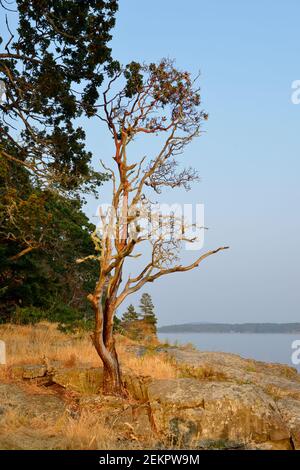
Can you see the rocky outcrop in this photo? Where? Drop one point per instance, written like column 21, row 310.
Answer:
column 82, row 379
column 23, row 409
column 191, row 412
column 79, row 379
column 290, row 411
column 28, row 371
column 275, row 379
column 279, row 383
column 43, row 406
column 218, row 401
column 122, row 416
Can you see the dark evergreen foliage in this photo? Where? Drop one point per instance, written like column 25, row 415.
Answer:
column 47, row 277
column 52, row 65
column 54, row 56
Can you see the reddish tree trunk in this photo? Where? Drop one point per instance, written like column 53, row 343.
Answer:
column 112, row 383
column 105, row 346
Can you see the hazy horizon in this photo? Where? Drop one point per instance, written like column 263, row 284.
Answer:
column 230, row 323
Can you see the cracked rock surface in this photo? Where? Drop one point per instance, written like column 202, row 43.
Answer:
column 219, row 400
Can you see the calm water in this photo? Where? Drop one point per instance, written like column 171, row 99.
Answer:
column 262, row 347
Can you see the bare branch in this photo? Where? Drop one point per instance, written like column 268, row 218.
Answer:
column 146, row 277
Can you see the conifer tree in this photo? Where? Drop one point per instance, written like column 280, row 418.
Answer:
column 130, row 315
column 147, row 309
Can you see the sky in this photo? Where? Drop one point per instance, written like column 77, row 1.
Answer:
column 248, row 156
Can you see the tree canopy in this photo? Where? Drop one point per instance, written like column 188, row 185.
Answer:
column 52, row 64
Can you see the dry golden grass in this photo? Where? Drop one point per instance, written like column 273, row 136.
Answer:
column 85, row 428
column 3, row 373
column 12, row 421
column 31, row 344
column 86, row 432
column 156, row 366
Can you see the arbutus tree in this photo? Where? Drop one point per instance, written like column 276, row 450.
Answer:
column 157, row 101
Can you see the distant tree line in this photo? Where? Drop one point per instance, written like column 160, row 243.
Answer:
column 232, row 328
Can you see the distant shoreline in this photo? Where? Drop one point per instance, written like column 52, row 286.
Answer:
column 254, row 328
column 231, row 332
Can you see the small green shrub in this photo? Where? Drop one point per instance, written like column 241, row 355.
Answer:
column 28, row 315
